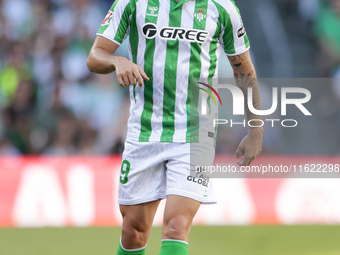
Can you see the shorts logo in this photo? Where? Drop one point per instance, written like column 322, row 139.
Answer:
column 205, row 193
column 150, row 31
column 204, row 181
column 241, row 32
column 199, row 178
column 107, row 18
column 152, row 10
column 200, row 15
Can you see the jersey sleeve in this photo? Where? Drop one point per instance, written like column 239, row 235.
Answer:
column 116, row 24
column 233, row 35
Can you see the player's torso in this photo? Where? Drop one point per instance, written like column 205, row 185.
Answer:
column 173, row 42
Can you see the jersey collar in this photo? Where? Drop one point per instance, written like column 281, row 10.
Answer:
column 181, row 2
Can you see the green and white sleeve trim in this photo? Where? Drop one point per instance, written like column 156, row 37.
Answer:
column 117, row 27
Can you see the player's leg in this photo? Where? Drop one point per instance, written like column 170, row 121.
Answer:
column 178, row 215
column 142, row 185
column 137, row 223
column 186, row 190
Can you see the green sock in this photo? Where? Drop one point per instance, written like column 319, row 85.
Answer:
column 123, row 251
column 174, row 247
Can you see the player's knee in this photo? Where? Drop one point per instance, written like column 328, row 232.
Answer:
column 133, row 235
column 177, row 228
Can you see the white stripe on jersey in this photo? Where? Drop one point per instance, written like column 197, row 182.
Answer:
column 158, row 72
column 183, row 65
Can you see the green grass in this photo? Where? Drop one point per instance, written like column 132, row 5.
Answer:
column 253, row 240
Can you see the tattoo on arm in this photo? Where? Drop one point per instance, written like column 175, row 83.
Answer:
column 245, row 81
column 245, row 77
column 232, row 59
column 237, row 60
column 243, row 56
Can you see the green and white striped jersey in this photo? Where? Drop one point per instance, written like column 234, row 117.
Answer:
column 174, row 43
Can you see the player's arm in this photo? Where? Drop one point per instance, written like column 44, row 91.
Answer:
column 102, row 60
column 245, row 77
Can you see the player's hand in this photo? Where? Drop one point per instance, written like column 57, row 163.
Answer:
column 129, row 73
column 251, row 146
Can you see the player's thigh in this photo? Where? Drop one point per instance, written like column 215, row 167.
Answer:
column 179, row 213
column 137, row 223
column 183, row 178
column 140, row 214
column 142, row 177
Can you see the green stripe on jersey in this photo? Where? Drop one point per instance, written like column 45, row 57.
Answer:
column 212, row 51
column 194, row 75
column 170, row 76
column 146, row 127
column 228, row 37
column 213, row 46
column 134, row 43
column 123, row 25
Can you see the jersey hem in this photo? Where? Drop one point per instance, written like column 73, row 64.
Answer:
column 162, row 140
column 107, row 37
column 178, row 140
column 239, row 51
column 141, row 200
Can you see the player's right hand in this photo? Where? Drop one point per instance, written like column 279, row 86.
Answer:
column 128, row 73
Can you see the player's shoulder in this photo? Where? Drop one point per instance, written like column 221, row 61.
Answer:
column 121, row 3
column 228, row 5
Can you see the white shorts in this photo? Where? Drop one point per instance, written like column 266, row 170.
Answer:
column 154, row 170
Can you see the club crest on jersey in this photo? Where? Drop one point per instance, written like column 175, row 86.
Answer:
column 152, row 11
column 199, row 15
column 107, row 18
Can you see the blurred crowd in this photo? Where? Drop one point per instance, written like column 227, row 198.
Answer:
column 50, row 103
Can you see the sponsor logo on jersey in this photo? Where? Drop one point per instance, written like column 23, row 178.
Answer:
column 241, row 32
column 152, row 10
column 199, row 15
column 107, row 18
column 150, row 31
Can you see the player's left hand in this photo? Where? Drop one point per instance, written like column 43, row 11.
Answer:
column 251, row 146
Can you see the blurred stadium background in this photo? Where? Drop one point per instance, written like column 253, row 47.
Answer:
column 62, row 130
